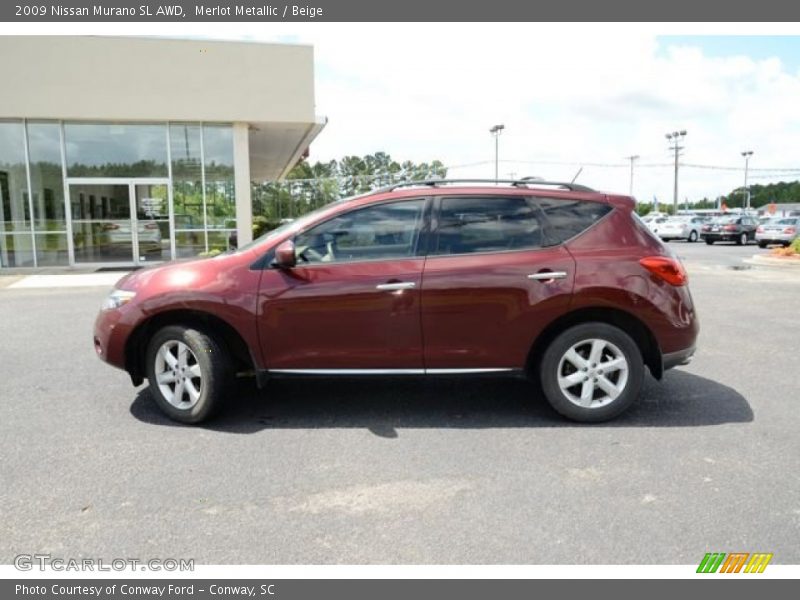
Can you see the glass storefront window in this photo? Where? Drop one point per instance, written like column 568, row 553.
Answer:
column 47, row 180
column 39, row 226
column 115, row 150
column 220, row 196
column 16, row 250
column 14, row 207
column 187, row 176
column 51, row 250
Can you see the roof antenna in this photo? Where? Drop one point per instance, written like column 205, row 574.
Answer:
column 576, row 175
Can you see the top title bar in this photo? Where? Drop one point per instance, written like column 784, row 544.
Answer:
column 403, row 10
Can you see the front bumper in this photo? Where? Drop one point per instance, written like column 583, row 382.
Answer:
column 676, row 359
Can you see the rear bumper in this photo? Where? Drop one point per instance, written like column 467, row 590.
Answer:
column 721, row 237
column 681, row 357
column 774, row 239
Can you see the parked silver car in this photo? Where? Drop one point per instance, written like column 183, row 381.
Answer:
column 778, row 231
column 680, row 228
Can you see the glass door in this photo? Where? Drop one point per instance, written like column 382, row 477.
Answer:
column 102, row 224
column 120, row 221
column 152, row 222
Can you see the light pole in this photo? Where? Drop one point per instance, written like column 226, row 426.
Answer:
column 632, row 158
column 675, row 138
column 747, row 154
column 495, row 131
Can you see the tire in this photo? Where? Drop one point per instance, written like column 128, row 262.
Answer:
column 206, row 372
column 762, row 244
column 692, row 237
column 742, row 240
column 709, row 242
column 581, row 339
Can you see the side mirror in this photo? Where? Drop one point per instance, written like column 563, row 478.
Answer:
column 285, row 257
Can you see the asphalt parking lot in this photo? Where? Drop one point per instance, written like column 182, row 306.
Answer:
column 409, row 471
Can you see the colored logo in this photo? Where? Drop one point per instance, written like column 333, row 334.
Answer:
column 735, row 562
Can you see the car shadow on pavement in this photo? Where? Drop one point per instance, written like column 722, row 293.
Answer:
column 384, row 406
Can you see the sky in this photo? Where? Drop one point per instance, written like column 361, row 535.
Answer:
column 423, row 92
column 569, row 95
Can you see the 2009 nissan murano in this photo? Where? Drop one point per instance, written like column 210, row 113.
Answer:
column 551, row 281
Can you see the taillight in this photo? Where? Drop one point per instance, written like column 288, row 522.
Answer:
column 760, row 229
column 790, row 230
column 706, row 227
column 151, row 225
column 669, row 269
column 730, row 228
column 110, row 226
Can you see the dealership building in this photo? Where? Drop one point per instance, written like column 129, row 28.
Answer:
column 129, row 151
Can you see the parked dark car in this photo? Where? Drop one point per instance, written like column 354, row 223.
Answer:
column 730, row 228
column 555, row 282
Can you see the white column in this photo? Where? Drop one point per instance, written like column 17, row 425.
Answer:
column 241, row 166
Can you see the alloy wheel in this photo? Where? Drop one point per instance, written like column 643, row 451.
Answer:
column 178, row 374
column 592, row 373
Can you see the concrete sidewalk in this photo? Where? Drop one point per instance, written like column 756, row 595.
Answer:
column 64, row 279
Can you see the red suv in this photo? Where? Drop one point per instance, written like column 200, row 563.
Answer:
column 548, row 280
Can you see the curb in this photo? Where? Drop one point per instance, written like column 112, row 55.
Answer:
column 760, row 259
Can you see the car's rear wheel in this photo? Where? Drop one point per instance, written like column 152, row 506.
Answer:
column 742, row 241
column 693, row 236
column 187, row 370
column 709, row 242
column 592, row 372
column 762, row 244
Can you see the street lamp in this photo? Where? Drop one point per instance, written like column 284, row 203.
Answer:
column 632, row 159
column 495, row 131
column 747, row 154
column 675, row 138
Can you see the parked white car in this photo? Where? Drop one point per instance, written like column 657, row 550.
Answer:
column 680, row 228
column 653, row 223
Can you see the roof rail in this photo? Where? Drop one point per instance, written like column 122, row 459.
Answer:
column 525, row 182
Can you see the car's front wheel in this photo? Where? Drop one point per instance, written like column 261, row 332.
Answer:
column 592, row 372
column 693, row 236
column 742, row 241
column 187, row 370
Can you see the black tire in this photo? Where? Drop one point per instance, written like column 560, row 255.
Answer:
column 551, row 360
column 692, row 236
column 709, row 242
column 214, row 367
column 762, row 244
column 742, row 240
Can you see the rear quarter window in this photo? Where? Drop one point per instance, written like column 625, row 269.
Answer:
column 564, row 219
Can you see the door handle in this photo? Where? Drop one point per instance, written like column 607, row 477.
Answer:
column 547, row 275
column 399, row 285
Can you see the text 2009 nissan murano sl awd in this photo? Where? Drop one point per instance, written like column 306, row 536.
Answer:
column 555, row 282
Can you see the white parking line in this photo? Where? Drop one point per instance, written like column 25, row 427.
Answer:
column 69, row 280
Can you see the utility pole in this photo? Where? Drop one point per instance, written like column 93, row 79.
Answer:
column 495, row 131
column 632, row 158
column 675, row 138
column 746, row 202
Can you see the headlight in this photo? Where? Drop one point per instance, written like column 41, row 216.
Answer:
column 117, row 298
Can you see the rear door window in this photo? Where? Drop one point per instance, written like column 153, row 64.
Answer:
column 470, row 225
column 564, row 219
